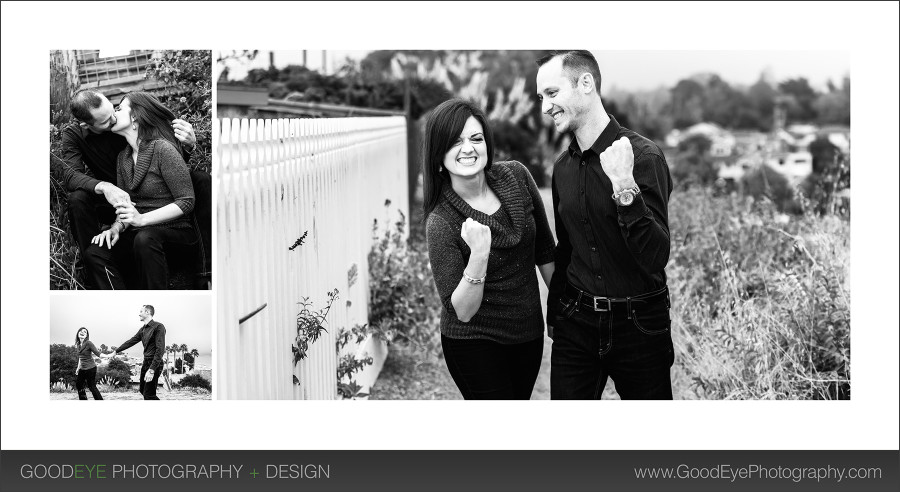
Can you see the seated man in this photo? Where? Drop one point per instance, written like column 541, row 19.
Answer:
column 88, row 144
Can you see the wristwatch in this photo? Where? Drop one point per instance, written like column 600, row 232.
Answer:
column 625, row 197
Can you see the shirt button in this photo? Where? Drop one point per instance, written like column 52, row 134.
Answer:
column 582, row 163
column 594, row 249
column 584, row 221
column 582, row 191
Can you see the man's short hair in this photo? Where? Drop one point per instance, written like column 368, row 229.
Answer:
column 83, row 102
column 575, row 63
column 150, row 309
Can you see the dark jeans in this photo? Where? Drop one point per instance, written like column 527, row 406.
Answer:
column 87, row 377
column 589, row 347
column 487, row 370
column 88, row 211
column 139, row 253
column 148, row 389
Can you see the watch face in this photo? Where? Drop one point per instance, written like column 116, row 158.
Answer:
column 626, row 198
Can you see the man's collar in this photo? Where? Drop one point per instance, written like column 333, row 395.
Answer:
column 606, row 138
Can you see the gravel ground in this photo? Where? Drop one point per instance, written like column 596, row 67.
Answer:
column 177, row 394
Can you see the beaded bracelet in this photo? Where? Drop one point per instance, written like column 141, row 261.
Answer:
column 471, row 280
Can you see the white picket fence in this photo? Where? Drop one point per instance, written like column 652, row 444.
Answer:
column 278, row 179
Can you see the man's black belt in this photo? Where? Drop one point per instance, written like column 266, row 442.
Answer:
column 586, row 300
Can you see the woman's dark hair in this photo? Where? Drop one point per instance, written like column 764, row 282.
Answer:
column 153, row 118
column 86, row 338
column 442, row 128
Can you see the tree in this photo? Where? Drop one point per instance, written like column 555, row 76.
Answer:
column 833, row 108
column 63, row 361
column 800, row 97
column 721, row 102
column 761, row 98
column 693, row 164
column 686, row 104
column 171, row 348
column 183, row 349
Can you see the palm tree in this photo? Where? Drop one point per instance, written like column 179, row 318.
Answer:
column 196, row 354
column 183, row 348
column 171, row 348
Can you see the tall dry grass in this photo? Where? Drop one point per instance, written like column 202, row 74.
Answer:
column 65, row 269
column 760, row 300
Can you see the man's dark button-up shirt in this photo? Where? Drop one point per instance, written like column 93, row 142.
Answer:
column 153, row 337
column 602, row 248
column 98, row 152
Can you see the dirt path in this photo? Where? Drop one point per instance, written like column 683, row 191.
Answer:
column 178, row 394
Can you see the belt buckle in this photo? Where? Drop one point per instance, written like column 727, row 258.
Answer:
column 608, row 304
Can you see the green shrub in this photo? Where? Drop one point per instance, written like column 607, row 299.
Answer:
column 60, row 387
column 114, row 374
column 765, row 182
column 188, row 75
column 404, row 305
column 63, row 361
column 119, row 365
column 195, row 381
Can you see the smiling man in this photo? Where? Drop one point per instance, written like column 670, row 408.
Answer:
column 608, row 308
column 87, row 168
column 152, row 335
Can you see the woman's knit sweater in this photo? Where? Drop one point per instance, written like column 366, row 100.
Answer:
column 86, row 351
column 158, row 178
column 510, row 310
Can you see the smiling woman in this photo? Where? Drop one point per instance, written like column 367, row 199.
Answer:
column 486, row 229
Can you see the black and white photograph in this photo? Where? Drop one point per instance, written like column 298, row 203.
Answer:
column 130, row 346
column 567, row 225
column 130, row 162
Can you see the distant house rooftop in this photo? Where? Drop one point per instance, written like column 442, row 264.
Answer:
column 241, row 95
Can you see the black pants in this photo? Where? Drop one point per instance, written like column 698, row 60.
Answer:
column 487, row 370
column 88, row 211
column 87, row 377
column 148, row 388
column 589, row 347
column 139, row 254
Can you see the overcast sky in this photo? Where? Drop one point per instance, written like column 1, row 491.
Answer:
column 641, row 70
column 112, row 317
